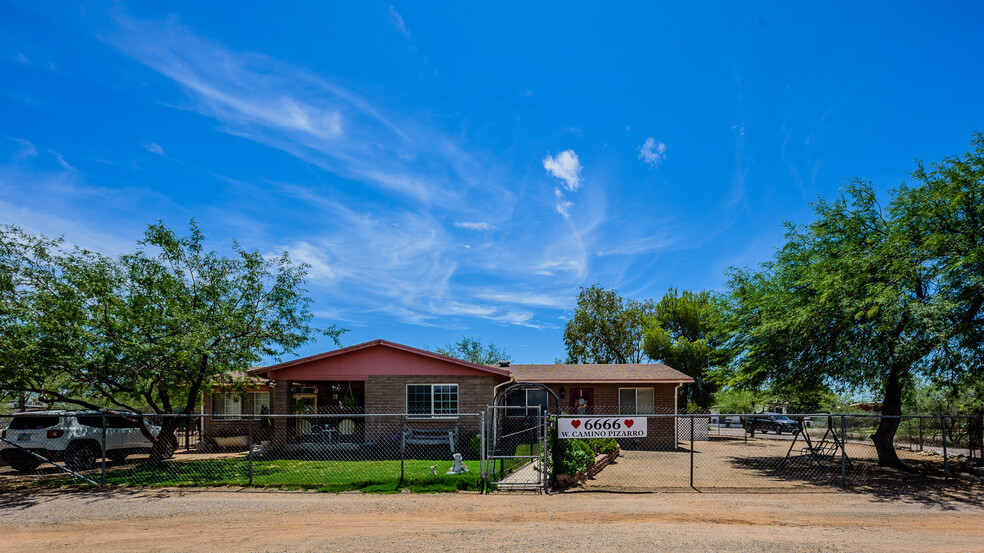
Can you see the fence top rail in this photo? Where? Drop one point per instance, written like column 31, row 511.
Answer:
column 244, row 416
column 790, row 415
column 419, row 417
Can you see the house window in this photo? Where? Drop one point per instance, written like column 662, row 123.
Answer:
column 636, row 401
column 234, row 406
column 432, row 400
column 526, row 403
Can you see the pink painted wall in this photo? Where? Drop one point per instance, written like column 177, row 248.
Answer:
column 377, row 361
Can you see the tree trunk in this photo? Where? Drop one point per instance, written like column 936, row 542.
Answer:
column 884, row 436
column 166, row 442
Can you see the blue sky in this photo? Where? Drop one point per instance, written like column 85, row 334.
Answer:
column 454, row 169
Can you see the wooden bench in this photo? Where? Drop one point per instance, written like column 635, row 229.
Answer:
column 436, row 436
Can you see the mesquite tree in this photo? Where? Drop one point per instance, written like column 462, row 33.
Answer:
column 145, row 332
column 871, row 296
column 687, row 332
column 605, row 328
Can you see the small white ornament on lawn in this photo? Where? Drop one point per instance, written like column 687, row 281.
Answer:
column 457, row 467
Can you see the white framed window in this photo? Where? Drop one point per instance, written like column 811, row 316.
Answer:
column 234, row 406
column 636, row 401
column 526, row 402
column 432, row 400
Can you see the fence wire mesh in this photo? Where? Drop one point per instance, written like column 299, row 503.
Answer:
column 811, row 451
column 334, row 452
column 386, row 452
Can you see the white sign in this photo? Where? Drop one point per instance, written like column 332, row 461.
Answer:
column 601, row 427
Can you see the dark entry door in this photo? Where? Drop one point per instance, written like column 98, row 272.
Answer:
column 582, row 401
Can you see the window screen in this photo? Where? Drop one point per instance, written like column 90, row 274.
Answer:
column 636, row 401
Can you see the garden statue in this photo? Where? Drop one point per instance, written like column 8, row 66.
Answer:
column 458, row 467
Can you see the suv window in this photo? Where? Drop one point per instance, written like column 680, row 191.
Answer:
column 122, row 422
column 90, row 420
column 33, row 422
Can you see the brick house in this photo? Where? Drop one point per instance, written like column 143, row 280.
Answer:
column 614, row 389
column 381, row 377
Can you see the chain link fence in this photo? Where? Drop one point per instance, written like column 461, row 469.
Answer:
column 808, row 451
column 337, row 452
column 389, row 452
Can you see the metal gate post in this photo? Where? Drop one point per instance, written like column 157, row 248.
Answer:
column 481, row 450
column 920, row 433
column 545, row 429
column 980, row 428
column 946, row 465
column 403, row 445
column 843, row 452
column 102, row 479
column 692, row 450
column 250, row 444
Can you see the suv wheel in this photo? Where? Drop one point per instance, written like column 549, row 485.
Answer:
column 80, row 457
column 24, row 462
column 117, row 456
column 777, row 429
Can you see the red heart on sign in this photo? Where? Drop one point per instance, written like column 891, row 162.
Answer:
column 575, row 423
column 629, row 423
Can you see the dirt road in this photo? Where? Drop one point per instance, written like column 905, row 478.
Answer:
column 207, row 520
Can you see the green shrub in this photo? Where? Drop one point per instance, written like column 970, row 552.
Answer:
column 570, row 456
column 473, row 447
column 583, row 446
column 602, row 446
column 575, row 457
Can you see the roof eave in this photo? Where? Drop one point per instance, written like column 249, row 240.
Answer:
column 606, row 381
column 256, row 371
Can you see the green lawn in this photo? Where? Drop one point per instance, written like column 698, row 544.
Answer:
column 521, row 450
column 329, row 476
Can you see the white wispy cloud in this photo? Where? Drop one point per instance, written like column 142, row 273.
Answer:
column 559, row 265
column 564, row 207
column 60, row 159
column 639, row 246
column 47, row 201
column 561, row 301
column 154, row 148
column 397, row 20
column 25, row 151
column 473, row 226
column 565, row 167
column 21, row 58
column 287, row 107
column 396, row 255
column 652, row 152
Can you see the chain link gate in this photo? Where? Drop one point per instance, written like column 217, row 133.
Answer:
column 517, row 449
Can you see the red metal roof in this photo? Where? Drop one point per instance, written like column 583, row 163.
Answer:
column 315, row 359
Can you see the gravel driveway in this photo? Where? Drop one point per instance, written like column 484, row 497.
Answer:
column 206, row 520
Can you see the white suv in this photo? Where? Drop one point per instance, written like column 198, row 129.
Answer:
column 71, row 436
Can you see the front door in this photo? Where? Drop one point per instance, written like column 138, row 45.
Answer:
column 582, row 401
column 305, row 404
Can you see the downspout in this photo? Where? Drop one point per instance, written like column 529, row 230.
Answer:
column 495, row 390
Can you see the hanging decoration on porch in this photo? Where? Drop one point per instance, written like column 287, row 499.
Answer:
column 348, row 400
